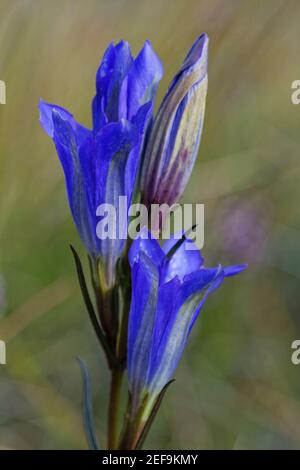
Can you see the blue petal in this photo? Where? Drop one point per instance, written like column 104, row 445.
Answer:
column 166, row 356
column 214, row 284
column 173, row 337
column 165, row 316
column 207, row 280
column 140, row 85
column 185, row 260
column 46, row 120
column 196, row 282
column 116, row 167
column 142, row 118
column 233, row 270
column 150, row 247
column 110, row 75
column 145, row 278
column 77, row 175
column 115, row 143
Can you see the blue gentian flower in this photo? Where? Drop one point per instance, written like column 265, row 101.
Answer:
column 103, row 163
column 169, row 290
column 175, row 136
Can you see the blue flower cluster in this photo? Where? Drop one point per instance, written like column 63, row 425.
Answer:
column 131, row 151
column 103, row 163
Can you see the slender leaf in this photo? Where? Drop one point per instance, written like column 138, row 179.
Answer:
column 90, row 307
column 87, row 406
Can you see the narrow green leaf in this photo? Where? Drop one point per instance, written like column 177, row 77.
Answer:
column 87, row 406
column 90, row 307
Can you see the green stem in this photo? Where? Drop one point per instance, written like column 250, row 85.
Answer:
column 113, row 407
column 131, row 436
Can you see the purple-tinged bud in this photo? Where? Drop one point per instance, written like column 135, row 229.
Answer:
column 175, row 136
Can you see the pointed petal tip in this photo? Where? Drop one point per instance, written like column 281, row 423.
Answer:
column 197, row 57
column 147, row 46
column 147, row 49
column 45, row 117
column 199, row 50
column 148, row 54
column 49, row 113
column 204, row 37
column 123, row 45
column 233, row 270
column 201, row 41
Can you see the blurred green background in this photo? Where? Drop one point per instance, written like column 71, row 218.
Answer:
column 236, row 387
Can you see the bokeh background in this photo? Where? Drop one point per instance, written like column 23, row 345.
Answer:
column 236, row 387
